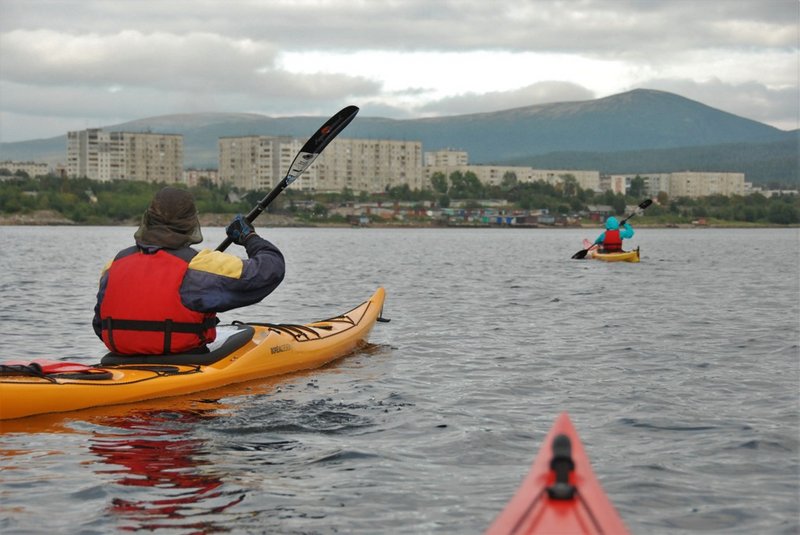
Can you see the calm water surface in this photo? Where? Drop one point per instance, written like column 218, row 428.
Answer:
column 681, row 375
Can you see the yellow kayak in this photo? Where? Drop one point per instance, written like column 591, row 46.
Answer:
column 624, row 256
column 249, row 351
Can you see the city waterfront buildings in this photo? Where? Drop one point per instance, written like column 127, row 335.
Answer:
column 257, row 163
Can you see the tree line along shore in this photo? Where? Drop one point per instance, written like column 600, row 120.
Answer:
column 50, row 200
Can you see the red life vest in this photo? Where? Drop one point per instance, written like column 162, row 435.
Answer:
column 141, row 312
column 612, row 243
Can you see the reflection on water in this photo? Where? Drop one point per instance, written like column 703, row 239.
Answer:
column 155, row 453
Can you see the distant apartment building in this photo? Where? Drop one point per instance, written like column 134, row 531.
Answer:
column 653, row 183
column 692, row 184
column 32, row 169
column 447, row 161
column 371, row 165
column 614, row 183
column 656, row 182
column 493, row 175
column 703, row 184
column 195, row 177
column 259, row 162
column 104, row 156
column 446, row 158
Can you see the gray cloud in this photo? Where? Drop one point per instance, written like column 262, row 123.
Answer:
column 442, row 25
column 130, row 58
column 538, row 93
column 199, row 62
column 114, row 60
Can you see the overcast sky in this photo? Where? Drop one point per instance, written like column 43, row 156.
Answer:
column 75, row 64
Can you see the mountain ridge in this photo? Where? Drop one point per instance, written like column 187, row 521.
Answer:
column 637, row 120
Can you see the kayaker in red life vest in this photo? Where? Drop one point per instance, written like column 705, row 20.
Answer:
column 161, row 296
column 610, row 241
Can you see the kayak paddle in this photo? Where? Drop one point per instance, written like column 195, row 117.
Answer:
column 308, row 153
column 583, row 252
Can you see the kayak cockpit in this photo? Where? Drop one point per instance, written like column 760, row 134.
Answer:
column 227, row 342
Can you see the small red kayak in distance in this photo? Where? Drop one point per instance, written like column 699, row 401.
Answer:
column 560, row 494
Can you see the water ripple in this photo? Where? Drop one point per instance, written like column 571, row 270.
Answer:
column 681, row 374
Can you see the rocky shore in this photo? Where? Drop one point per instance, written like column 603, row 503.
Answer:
column 40, row 217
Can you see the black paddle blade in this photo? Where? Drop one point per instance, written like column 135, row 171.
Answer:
column 330, row 130
column 317, row 143
column 580, row 254
column 645, row 203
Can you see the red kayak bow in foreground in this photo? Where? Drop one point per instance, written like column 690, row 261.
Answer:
column 560, row 494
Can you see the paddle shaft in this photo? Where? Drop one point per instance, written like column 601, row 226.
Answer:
column 622, row 223
column 308, row 153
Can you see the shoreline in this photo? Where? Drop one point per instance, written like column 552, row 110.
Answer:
column 53, row 219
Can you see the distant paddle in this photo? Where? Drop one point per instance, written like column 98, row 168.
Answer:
column 308, row 153
column 583, row 252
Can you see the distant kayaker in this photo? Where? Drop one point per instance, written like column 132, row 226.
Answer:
column 161, row 296
column 610, row 241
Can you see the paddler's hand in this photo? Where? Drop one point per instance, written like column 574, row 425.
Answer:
column 239, row 230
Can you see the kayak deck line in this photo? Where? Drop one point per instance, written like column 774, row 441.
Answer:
column 154, row 371
column 303, row 331
column 560, row 494
column 307, row 331
column 253, row 351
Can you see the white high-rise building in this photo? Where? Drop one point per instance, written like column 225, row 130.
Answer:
column 493, row 174
column 259, row 162
column 104, row 156
column 33, row 169
column 692, row 184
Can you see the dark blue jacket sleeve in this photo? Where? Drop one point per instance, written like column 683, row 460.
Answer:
column 218, row 281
